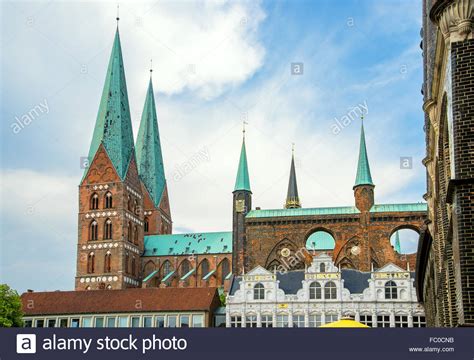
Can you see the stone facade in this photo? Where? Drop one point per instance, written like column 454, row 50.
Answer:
column 323, row 293
column 445, row 260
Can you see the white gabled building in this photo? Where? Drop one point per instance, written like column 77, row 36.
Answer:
column 321, row 294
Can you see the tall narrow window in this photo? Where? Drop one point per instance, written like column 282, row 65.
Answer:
column 330, row 291
column 93, row 230
column 390, row 290
column 134, row 268
column 225, row 270
column 129, row 203
column 146, row 225
column 135, row 235
column 259, row 292
column 107, row 262
column 322, row 267
column 204, row 268
column 136, row 210
column 129, row 231
column 315, row 291
column 108, row 229
column 108, row 201
column 94, row 202
column 91, row 263
column 167, row 268
column 127, row 260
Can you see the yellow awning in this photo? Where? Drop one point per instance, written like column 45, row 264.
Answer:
column 345, row 323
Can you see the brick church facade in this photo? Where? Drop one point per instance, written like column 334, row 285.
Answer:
column 125, row 237
column 445, row 255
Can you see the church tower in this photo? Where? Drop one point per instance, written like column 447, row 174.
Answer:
column 364, row 186
column 110, row 238
column 242, row 204
column 292, row 198
column 157, row 215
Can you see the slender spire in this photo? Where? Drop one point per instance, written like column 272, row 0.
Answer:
column 113, row 127
column 242, row 182
column 398, row 248
column 149, row 155
column 292, row 198
column 363, row 169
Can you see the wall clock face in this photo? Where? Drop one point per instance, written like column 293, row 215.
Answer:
column 240, row 205
column 285, row 252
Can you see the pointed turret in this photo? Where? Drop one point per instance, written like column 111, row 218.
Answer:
column 149, row 155
column 242, row 182
column 292, row 198
column 242, row 204
column 113, row 127
column 364, row 186
column 363, row 169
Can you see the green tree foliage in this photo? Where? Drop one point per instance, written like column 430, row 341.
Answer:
column 10, row 307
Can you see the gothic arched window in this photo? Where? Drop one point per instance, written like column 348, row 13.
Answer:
column 129, row 231
column 91, row 263
column 93, row 230
column 225, row 270
column 146, row 225
column 330, row 291
column 166, row 269
column 135, row 235
column 134, row 266
column 204, row 268
column 315, row 290
column 259, row 292
column 107, row 263
column 94, row 202
column 129, row 203
column 108, row 201
column 390, row 290
column 108, row 229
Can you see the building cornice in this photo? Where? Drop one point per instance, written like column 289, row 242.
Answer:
column 455, row 19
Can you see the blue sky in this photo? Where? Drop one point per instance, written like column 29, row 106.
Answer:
column 215, row 64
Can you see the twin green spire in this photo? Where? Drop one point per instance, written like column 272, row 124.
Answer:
column 363, row 169
column 242, row 182
column 113, row 126
column 113, row 129
column 149, row 155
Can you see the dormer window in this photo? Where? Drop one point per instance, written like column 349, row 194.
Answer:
column 322, row 267
column 259, row 292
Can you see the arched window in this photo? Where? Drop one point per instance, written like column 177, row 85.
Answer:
column 167, row 268
column 320, row 240
column 129, row 203
column 322, row 267
column 204, row 268
column 127, row 260
column 91, row 263
column 184, row 269
column 108, row 201
column 146, row 225
column 134, row 267
column 129, row 231
column 93, row 230
column 315, row 290
column 108, row 229
column 225, row 270
column 330, row 291
column 107, row 263
column 135, row 207
column 94, row 202
column 259, row 292
column 390, row 290
column 135, row 235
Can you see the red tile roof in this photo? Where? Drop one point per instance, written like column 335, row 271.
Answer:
column 128, row 300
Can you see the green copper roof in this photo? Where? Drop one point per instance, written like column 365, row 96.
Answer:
column 149, row 157
column 153, row 273
column 292, row 198
column 342, row 210
column 363, row 169
column 242, row 182
column 398, row 248
column 113, row 127
column 320, row 240
column 188, row 244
